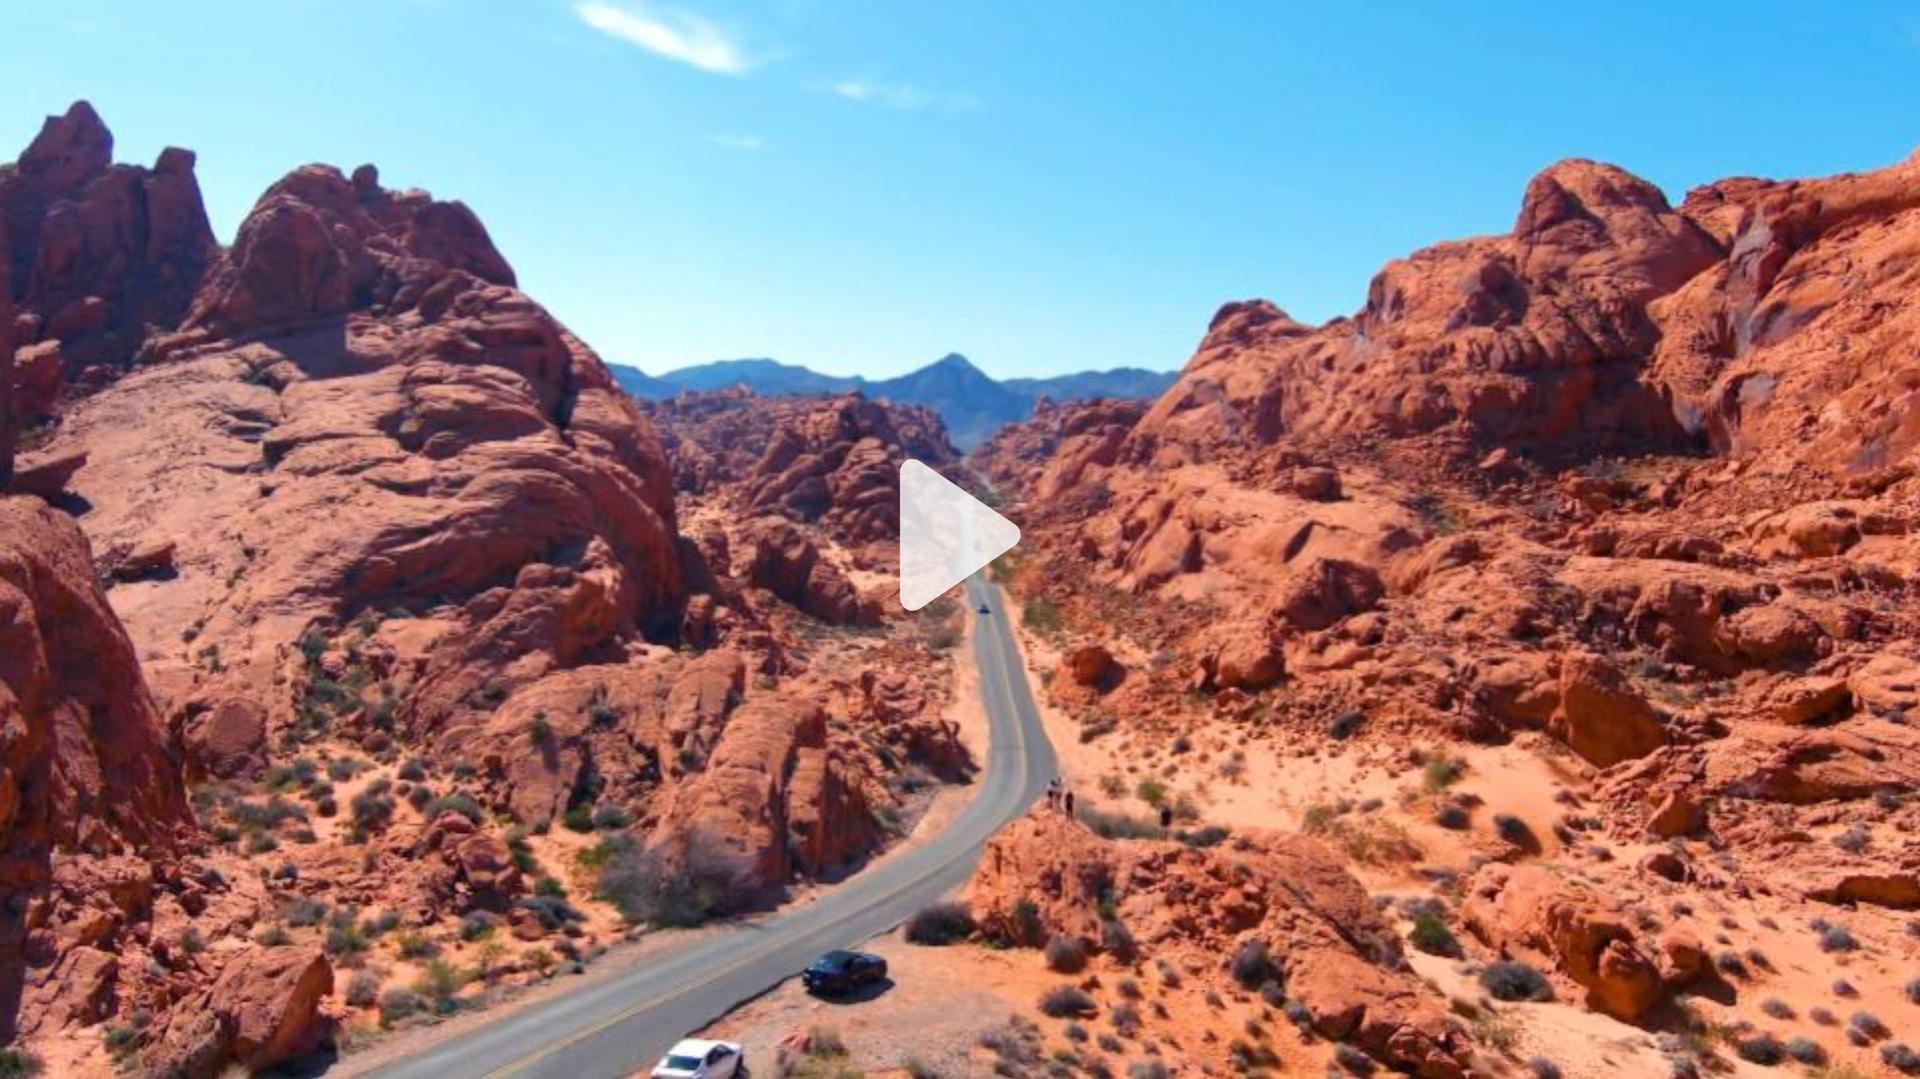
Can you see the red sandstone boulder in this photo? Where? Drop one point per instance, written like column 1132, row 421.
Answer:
column 1600, row 717
column 262, row 1010
column 1527, row 911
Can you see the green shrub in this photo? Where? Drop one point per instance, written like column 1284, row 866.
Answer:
column 1431, row 935
column 578, row 818
column 1441, row 772
column 1151, row 791
column 457, row 802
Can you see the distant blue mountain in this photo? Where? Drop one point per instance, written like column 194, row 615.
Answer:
column 972, row 403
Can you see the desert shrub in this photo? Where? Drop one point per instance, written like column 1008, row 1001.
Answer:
column 1452, row 816
column 1147, row 1069
column 919, row 1069
column 364, row 990
column 552, row 911
column 341, row 769
column 939, row 923
column 345, row 940
column 456, row 802
column 1151, row 791
column 1041, row 614
column 578, row 818
column 439, row 981
column 399, row 1004
column 1512, row 981
column 649, row 886
column 1251, row 965
column 416, row 945
column 272, row 936
column 1836, row 938
column 18, row 1063
column 1345, row 725
column 302, row 912
column 414, row 770
column 477, row 925
column 1542, row 1068
column 1116, row 939
column 1431, row 935
column 1210, row 836
column 610, row 818
column 1353, row 1060
column 1066, row 1002
column 1897, row 1056
column 550, row 886
column 1066, row 955
column 1844, row 988
column 371, row 810
column 1805, row 1050
column 1730, row 964
column 1776, row 1008
column 1513, row 830
column 1114, row 825
column 1076, row 1033
column 1764, row 1049
column 1441, row 772
column 1869, row 1024
column 1027, row 926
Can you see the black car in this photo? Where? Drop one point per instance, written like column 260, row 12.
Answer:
column 984, row 609
column 843, row 972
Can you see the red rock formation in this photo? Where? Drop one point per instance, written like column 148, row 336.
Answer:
column 772, row 799
column 1534, row 339
column 1525, row 911
column 262, row 1010
column 370, row 417
column 1333, row 953
column 830, row 461
column 98, row 251
column 86, row 779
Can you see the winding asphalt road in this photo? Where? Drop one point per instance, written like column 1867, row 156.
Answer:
column 623, row 1024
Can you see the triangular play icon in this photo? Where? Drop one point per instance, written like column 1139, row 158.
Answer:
column 945, row 535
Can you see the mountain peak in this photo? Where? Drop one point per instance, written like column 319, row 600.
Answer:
column 953, row 361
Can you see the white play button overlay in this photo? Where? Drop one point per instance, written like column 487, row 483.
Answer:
column 945, row 535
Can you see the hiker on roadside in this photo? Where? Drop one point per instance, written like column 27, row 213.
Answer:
column 1069, row 802
column 1053, row 792
column 1166, row 819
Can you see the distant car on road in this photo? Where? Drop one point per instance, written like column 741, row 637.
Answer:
column 696, row 1058
column 843, row 972
column 984, row 609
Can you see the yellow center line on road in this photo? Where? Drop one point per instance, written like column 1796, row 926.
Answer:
column 1019, row 733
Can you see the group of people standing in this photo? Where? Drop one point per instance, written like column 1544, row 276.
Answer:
column 1059, row 795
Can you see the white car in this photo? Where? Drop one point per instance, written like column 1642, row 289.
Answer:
column 696, row 1058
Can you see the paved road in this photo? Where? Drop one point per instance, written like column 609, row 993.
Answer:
column 622, row 1024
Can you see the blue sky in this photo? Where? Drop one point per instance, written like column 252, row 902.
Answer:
column 1044, row 186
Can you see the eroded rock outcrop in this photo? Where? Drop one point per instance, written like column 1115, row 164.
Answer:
column 1331, row 952
column 87, row 781
column 97, row 252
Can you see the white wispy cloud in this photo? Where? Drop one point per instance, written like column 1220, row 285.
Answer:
column 737, row 142
column 667, row 31
column 901, row 96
